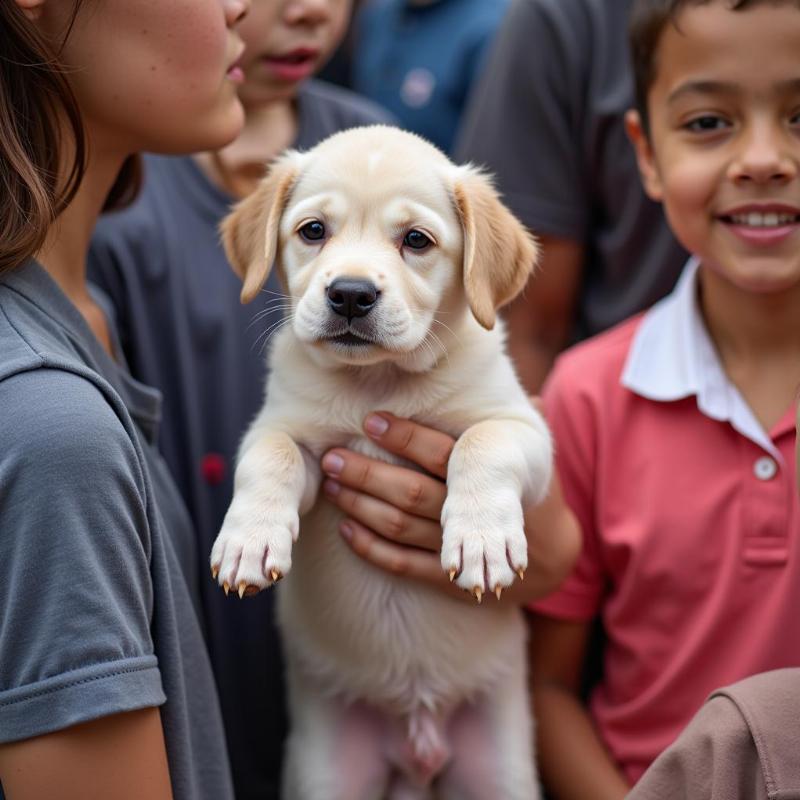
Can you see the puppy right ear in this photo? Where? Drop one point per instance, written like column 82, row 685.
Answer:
column 250, row 231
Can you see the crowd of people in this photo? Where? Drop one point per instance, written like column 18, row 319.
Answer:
column 652, row 146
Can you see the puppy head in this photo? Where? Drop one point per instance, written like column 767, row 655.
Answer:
column 379, row 239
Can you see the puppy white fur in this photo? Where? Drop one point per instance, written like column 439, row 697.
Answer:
column 396, row 689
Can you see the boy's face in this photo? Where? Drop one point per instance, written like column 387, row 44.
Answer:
column 287, row 42
column 724, row 149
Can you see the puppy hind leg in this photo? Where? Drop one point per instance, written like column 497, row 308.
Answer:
column 402, row 789
column 492, row 743
column 334, row 752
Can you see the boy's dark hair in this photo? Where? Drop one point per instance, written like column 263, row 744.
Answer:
column 647, row 22
column 40, row 129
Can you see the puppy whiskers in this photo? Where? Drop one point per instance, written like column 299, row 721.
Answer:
column 267, row 312
column 439, row 342
column 448, row 328
column 270, row 331
column 277, row 294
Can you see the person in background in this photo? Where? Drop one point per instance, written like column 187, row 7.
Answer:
column 675, row 431
column 546, row 118
column 106, row 687
column 185, row 331
column 420, row 59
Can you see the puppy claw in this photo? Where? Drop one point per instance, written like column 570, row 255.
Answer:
column 478, row 592
column 214, row 572
column 275, row 575
column 498, row 590
column 452, row 575
column 242, row 588
column 226, row 588
column 521, row 573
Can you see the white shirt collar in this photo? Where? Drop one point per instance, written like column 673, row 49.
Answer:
column 672, row 357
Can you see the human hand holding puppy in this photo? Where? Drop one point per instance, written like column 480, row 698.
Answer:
column 393, row 513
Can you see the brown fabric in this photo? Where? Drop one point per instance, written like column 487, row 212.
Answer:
column 743, row 744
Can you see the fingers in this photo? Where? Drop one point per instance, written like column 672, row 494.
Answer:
column 424, row 446
column 384, row 518
column 400, row 560
column 409, row 491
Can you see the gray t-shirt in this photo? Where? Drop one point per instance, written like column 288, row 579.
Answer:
column 184, row 330
column 97, row 609
column 547, row 120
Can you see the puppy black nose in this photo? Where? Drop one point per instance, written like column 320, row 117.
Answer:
column 352, row 297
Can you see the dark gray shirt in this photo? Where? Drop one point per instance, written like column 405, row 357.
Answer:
column 96, row 608
column 185, row 331
column 547, row 120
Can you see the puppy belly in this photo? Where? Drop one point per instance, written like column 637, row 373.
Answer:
column 360, row 634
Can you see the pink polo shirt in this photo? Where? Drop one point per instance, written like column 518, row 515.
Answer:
column 691, row 523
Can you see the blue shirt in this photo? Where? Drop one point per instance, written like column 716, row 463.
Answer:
column 420, row 62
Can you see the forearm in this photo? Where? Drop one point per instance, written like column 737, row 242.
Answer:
column 552, row 552
column 513, row 455
column 275, row 482
column 566, row 737
column 272, row 466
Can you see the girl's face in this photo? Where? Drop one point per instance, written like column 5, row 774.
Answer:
column 288, row 41
column 152, row 74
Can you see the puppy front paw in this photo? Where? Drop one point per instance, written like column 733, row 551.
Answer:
column 483, row 541
column 254, row 548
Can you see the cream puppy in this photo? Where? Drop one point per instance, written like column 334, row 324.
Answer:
column 395, row 261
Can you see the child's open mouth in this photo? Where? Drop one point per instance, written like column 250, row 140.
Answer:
column 296, row 65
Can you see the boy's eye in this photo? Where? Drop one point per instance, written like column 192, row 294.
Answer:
column 705, row 124
column 416, row 240
column 313, row 231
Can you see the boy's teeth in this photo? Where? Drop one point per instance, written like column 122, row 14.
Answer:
column 755, row 219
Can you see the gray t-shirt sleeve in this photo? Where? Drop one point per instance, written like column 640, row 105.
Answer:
column 76, row 594
column 523, row 120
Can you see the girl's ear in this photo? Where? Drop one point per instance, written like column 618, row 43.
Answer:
column 648, row 169
column 32, row 9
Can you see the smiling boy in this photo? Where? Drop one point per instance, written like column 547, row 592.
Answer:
column 675, row 431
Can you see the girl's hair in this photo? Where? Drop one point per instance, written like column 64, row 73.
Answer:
column 42, row 142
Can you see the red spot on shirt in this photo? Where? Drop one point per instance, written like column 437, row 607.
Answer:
column 212, row 467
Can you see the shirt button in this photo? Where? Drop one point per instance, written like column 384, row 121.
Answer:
column 765, row 468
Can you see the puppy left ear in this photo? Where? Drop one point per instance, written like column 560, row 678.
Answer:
column 499, row 253
column 250, row 231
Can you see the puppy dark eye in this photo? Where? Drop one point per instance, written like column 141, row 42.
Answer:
column 416, row 240
column 313, row 231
